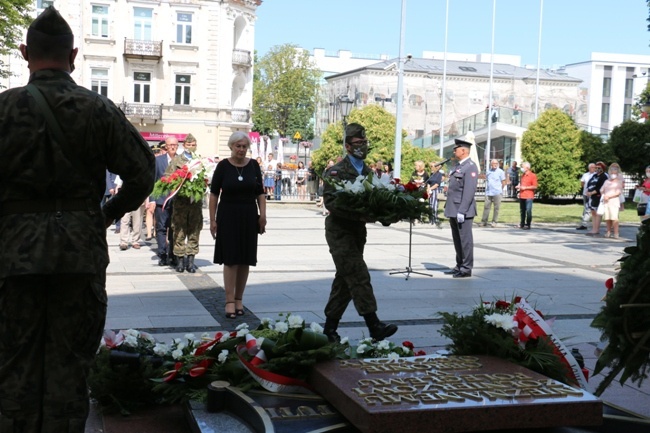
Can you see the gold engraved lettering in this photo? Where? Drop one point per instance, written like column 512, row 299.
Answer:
column 273, row 414
column 361, row 393
column 472, row 395
column 432, row 398
column 285, row 412
column 306, row 412
column 495, row 395
column 325, row 410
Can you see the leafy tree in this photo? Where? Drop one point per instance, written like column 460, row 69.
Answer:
column 285, row 92
column 552, row 146
column 380, row 130
column 15, row 18
column 630, row 143
column 594, row 149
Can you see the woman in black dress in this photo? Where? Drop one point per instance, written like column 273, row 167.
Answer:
column 237, row 216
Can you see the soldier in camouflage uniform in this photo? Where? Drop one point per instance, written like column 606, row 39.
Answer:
column 345, row 233
column 53, row 232
column 187, row 218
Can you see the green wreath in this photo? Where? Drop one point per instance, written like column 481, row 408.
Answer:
column 625, row 318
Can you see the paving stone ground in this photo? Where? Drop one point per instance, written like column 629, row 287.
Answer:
column 558, row 269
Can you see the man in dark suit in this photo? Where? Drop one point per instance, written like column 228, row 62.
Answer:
column 460, row 208
column 163, row 215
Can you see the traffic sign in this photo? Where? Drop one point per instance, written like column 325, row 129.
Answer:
column 297, row 135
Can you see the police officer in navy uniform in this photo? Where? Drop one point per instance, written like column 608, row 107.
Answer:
column 346, row 234
column 461, row 209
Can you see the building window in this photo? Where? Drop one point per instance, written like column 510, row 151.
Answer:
column 142, row 18
column 99, row 26
column 604, row 113
column 142, row 87
column 184, row 28
column 629, row 87
column 627, row 112
column 182, row 89
column 42, row 4
column 607, row 86
column 99, row 81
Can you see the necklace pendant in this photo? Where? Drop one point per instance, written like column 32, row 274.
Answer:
column 240, row 178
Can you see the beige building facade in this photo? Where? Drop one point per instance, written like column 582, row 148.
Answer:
column 173, row 66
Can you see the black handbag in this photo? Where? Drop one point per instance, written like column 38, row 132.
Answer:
column 641, row 209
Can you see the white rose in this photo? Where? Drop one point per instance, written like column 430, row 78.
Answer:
column 131, row 341
column 160, row 349
column 295, row 322
column 222, row 356
column 316, row 328
column 176, row 354
column 281, row 327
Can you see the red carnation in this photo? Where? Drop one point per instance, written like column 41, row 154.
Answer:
column 420, row 353
column 502, row 305
column 408, row 345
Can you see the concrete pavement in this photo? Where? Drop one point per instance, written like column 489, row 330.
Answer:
column 558, row 269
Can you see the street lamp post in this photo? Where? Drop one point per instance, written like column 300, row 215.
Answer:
column 345, row 105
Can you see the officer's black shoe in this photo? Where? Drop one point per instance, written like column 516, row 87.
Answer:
column 163, row 260
column 180, row 266
column 452, row 271
column 189, row 267
column 332, row 335
column 381, row 331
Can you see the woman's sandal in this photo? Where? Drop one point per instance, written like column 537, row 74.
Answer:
column 231, row 315
column 239, row 311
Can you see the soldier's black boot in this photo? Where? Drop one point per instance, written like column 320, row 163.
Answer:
column 379, row 330
column 330, row 330
column 189, row 266
column 180, row 265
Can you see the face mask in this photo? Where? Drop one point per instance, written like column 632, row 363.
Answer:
column 360, row 151
column 613, row 176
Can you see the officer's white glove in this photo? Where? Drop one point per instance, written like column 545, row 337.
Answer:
column 460, row 218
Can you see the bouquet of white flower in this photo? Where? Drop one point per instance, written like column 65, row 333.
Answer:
column 380, row 199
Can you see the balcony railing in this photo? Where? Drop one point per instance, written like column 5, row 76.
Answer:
column 242, row 58
column 241, row 116
column 142, row 111
column 138, row 49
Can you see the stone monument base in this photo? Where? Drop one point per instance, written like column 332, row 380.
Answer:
column 450, row 394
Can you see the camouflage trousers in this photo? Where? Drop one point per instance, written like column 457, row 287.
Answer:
column 346, row 240
column 50, row 329
column 187, row 222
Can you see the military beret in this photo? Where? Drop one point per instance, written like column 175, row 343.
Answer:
column 162, row 144
column 462, row 143
column 190, row 138
column 354, row 130
column 155, row 147
column 50, row 23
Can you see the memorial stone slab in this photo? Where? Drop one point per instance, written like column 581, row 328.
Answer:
column 450, row 394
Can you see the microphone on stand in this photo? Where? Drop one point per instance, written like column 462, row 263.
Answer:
column 442, row 162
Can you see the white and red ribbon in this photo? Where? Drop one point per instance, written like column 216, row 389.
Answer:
column 533, row 326
column 271, row 381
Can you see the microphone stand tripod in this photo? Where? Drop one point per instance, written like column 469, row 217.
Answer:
column 409, row 270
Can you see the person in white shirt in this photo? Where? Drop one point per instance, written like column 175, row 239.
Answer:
column 586, row 210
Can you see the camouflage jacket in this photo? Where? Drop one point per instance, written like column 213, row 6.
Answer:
column 37, row 170
column 344, row 170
